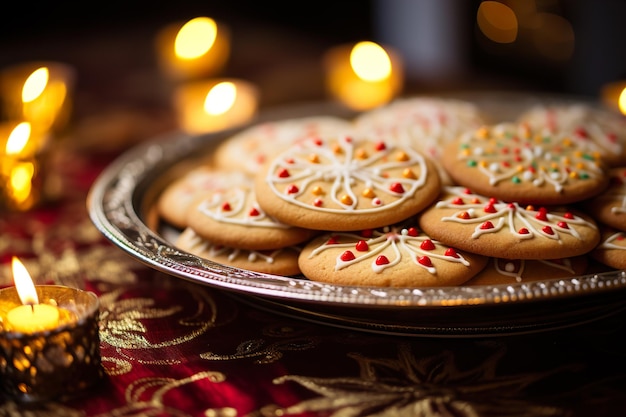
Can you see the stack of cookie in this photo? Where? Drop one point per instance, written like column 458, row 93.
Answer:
column 420, row 193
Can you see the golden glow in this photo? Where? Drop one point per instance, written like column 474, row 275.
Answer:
column 35, row 84
column 220, row 98
column 553, row 36
column 370, row 62
column 18, row 139
column 497, row 22
column 23, row 283
column 622, row 101
column 195, row 38
column 21, row 181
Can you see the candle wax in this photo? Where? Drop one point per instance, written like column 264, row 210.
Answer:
column 30, row 319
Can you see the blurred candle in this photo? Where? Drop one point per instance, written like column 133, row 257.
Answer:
column 196, row 49
column 364, row 75
column 210, row 106
column 614, row 96
column 39, row 93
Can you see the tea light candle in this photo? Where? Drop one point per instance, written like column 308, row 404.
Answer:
column 39, row 93
column 364, row 75
column 214, row 105
column 49, row 339
column 195, row 49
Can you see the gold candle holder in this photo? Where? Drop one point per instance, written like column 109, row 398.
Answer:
column 58, row 360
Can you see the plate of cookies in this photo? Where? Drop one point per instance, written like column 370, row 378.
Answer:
column 474, row 214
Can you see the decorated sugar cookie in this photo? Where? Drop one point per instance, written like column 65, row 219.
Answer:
column 249, row 149
column 515, row 163
column 175, row 199
column 426, row 123
column 610, row 206
column 514, row 271
column 283, row 261
column 346, row 184
column 232, row 217
column 395, row 256
column 592, row 129
column 612, row 249
column 510, row 230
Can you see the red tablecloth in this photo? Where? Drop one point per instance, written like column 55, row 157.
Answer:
column 174, row 348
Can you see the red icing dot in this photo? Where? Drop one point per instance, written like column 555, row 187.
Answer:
column 523, row 231
column 318, row 141
column 542, row 214
column 226, row 207
column 467, row 191
column 253, row 212
column 547, row 230
column 380, row 146
column 347, row 256
column 563, row 225
column 332, row 240
column 367, row 233
column 582, row 132
column 413, row 232
column 452, row 253
column 612, row 137
column 568, row 215
column 486, row 225
column 292, row 189
column 382, row 260
column 318, row 202
column 511, row 206
column 464, row 215
column 458, row 201
column 396, row 187
column 506, row 164
column 425, row 260
column 283, row 173
column 427, row 245
column 489, row 208
column 362, row 246
column 289, row 160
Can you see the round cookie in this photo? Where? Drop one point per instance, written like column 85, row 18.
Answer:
column 396, row 256
column 346, row 184
column 176, row 197
column 232, row 217
column 283, row 261
column 514, row 163
column 612, row 249
column 249, row 149
column 509, row 230
column 515, row 271
column 610, row 206
column 426, row 123
column 592, row 129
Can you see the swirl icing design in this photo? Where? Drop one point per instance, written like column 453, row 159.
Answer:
column 237, row 206
column 369, row 245
column 341, row 176
column 514, row 153
column 515, row 268
column 490, row 215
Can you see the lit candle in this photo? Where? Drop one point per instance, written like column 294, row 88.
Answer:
column 39, row 93
column 364, row 75
column 31, row 316
column 614, row 96
column 211, row 106
column 196, row 49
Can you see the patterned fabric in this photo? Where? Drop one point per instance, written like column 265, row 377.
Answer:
column 174, row 348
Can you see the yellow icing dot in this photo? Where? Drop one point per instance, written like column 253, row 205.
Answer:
column 538, row 139
column 573, row 174
column 314, row 158
column 482, row 132
column 317, row 190
column 402, row 156
column 554, row 165
column 368, row 193
column 580, row 165
column 345, row 199
column 483, row 163
column 567, row 142
column 361, row 154
column 408, row 173
column 337, row 149
column 466, row 152
column 578, row 154
column 519, row 168
column 566, row 161
column 530, row 208
column 596, row 155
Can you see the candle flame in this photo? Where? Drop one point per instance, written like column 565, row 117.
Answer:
column 220, row 98
column 21, row 181
column 622, row 101
column 35, row 84
column 370, row 62
column 24, row 283
column 18, row 139
column 195, row 38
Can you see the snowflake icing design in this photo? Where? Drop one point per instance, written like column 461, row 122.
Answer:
column 514, row 153
column 369, row 245
column 346, row 167
column 491, row 215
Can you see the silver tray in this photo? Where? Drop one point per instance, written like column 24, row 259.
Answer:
column 120, row 203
